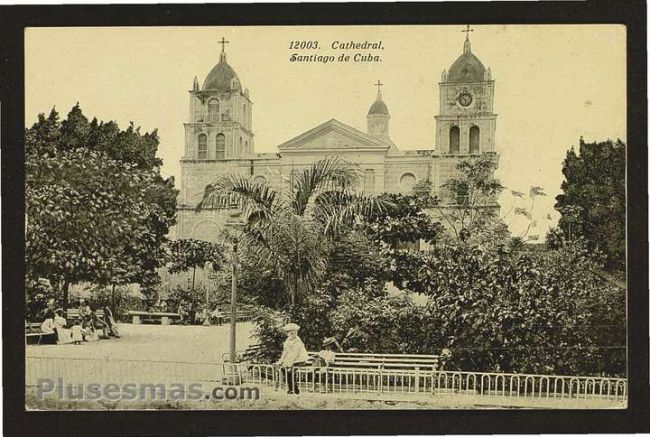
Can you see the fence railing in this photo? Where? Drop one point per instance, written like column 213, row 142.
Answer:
column 119, row 371
column 336, row 380
column 349, row 380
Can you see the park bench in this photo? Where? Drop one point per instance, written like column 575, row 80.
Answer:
column 72, row 314
column 365, row 360
column 382, row 361
column 138, row 317
column 33, row 334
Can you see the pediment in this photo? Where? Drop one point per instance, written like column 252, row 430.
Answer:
column 333, row 136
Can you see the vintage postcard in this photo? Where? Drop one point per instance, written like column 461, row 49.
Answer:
column 325, row 217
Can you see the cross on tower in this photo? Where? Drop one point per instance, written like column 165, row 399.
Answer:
column 467, row 31
column 378, row 85
column 223, row 43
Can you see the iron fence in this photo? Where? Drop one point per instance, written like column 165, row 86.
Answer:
column 335, row 380
column 350, row 380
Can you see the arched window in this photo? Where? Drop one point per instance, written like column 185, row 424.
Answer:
column 221, row 146
column 454, row 140
column 246, row 147
column 474, row 139
column 203, row 146
column 407, row 183
column 369, row 182
column 259, row 179
column 206, row 231
column 213, row 106
column 241, row 144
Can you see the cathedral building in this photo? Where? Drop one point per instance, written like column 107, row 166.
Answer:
column 220, row 140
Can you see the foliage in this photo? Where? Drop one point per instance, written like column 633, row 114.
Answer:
column 269, row 334
column 97, row 208
column 188, row 254
column 120, row 300
column 383, row 323
column 555, row 238
column 404, row 220
column 470, row 197
column 258, row 282
column 536, row 314
column 86, row 217
column 36, row 297
column 593, row 200
column 322, row 203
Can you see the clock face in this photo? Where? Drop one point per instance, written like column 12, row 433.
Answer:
column 465, row 99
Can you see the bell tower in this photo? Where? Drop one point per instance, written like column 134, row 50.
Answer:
column 221, row 115
column 466, row 122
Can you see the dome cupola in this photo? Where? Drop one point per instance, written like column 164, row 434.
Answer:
column 222, row 78
column 467, row 68
column 378, row 117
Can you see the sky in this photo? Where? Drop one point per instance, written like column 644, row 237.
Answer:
column 553, row 84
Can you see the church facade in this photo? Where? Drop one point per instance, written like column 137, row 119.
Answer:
column 220, row 140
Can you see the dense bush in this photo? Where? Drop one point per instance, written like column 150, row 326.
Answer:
column 540, row 313
column 550, row 312
column 379, row 322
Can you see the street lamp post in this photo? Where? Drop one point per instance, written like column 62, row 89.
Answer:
column 206, row 270
column 233, row 304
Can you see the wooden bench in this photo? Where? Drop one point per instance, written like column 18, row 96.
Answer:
column 73, row 314
column 137, row 317
column 364, row 360
column 33, row 334
column 382, row 361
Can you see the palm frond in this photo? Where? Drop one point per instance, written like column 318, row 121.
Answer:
column 339, row 208
column 325, row 174
column 253, row 198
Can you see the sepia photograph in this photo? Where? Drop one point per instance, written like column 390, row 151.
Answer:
column 326, row 217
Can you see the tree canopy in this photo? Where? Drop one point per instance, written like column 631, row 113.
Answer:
column 593, row 201
column 97, row 208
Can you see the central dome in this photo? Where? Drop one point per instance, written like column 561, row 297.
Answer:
column 220, row 77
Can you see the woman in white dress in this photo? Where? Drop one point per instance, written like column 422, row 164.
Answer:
column 63, row 334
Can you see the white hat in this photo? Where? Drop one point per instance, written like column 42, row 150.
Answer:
column 290, row 327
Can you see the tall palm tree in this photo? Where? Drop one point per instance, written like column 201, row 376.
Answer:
column 292, row 231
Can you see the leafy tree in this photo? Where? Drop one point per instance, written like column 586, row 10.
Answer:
column 189, row 254
column 593, row 200
column 84, row 216
column 322, row 202
column 542, row 313
column 383, row 323
column 404, row 220
column 470, row 197
column 89, row 184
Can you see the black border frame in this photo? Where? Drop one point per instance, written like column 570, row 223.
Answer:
column 13, row 20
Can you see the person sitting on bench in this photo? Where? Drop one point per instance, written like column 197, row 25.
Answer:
column 48, row 328
column 325, row 358
column 64, row 335
column 98, row 323
column 294, row 355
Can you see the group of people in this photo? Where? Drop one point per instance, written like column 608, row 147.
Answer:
column 86, row 327
column 294, row 354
